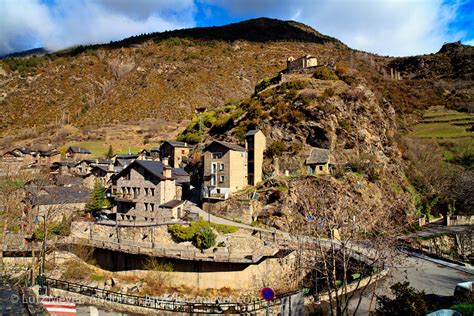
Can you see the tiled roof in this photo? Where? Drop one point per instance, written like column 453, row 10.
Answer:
column 318, row 156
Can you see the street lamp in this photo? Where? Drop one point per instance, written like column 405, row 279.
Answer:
column 37, row 222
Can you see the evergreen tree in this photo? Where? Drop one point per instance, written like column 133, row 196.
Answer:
column 98, row 199
column 110, row 152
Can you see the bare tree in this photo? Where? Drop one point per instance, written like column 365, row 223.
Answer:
column 347, row 245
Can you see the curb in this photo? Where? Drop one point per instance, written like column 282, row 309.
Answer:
column 438, row 261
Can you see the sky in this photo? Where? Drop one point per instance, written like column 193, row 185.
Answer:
column 385, row 27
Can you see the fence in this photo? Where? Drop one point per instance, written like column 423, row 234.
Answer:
column 163, row 304
column 152, row 249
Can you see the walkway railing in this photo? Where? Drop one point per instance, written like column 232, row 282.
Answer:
column 156, row 250
column 163, row 304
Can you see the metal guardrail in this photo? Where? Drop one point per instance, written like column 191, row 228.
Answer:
column 163, row 304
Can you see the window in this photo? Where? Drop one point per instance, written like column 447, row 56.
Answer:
column 221, row 166
column 213, row 167
column 127, row 176
column 152, row 207
column 152, row 191
column 146, row 206
column 217, row 155
column 183, row 152
column 221, row 179
column 146, row 191
column 320, row 168
column 213, row 179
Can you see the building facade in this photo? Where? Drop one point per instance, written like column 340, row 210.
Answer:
column 301, row 63
column 78, row 153
column 225, row 170
column 143, row 186
column 176, row 152
column 318, row 161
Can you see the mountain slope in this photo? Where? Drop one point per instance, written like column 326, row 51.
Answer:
column 167, row 75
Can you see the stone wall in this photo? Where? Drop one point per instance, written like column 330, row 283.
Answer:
column 459, row 220
column 273, row 272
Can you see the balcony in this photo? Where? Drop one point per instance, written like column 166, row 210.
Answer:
column 222, row 194
column 124, row 197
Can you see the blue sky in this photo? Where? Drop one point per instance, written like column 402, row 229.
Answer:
column 386, row 27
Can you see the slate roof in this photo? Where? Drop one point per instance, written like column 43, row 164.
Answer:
column 46, row 153
column 65, row 163
column 230, row 146
column 318, row 156
column 172, row 204
column 252, row 132
column 176, row 144
column 126, row 156
column 24, row 150
column 156, row 169
column 62, row 195
column 79, row 150
column 67, row 180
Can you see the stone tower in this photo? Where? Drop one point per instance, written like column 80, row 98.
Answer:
column 255, row 143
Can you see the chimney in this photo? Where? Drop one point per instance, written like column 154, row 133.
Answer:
column 185, row 144
column 165, row 161
column 167, row 171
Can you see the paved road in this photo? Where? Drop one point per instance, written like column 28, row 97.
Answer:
column 422, row 275
column 219, row 220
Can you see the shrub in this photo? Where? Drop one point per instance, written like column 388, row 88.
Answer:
column 266, row 82
column 204, row 238
column 76, row 270
column 192, row 138
column 324, row 73
column 294, row 85
column 200, row 233
column 156, row 265
column 341, row 69
column 276, row 149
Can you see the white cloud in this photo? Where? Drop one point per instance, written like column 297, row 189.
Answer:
column 469, row 42
column 27, row 23
column 389, row 27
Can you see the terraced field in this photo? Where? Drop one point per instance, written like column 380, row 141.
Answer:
column 444, row 124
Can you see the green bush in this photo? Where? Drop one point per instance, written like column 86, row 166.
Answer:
column 324, row 73
column 200, row 233
column 205, row 238
column 192, row 138
column 25, row 65
column 276, row 149
column 266, row 82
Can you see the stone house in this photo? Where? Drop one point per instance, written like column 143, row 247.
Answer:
column 307, row 61
column 121, row 161
column 255, row 142
column 20, row 155
column 56, row 202
column 99, row 173
column 225, row 170
column 47, row 157
column 63, row 167
column 318, row 161
column 141, row 187
column 78, row 153
column 176, row 152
